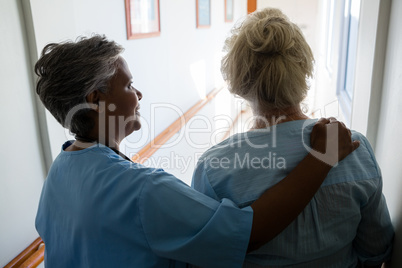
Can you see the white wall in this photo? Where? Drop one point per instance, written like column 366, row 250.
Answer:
column 371, row 51
column 389, row 142
column 22, row 170
column 164, row 68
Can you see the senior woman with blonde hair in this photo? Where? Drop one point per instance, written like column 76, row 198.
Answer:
column 346, row 224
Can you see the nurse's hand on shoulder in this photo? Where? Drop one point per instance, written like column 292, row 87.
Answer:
column 331, row 141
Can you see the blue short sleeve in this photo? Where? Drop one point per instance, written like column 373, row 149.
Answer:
column 182, row 224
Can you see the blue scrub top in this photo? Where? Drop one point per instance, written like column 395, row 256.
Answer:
column 99, row 210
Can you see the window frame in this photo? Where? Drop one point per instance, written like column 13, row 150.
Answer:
column 345, row 100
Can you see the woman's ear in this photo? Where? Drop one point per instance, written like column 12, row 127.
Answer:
column 93, row 98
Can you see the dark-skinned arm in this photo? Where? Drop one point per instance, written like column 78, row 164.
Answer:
column 281, row 204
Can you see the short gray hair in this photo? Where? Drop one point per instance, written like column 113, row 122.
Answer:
column 268, row 60
column 69, row 71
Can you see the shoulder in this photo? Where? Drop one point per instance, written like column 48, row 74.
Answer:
column 365, row 151
column 101, row 164
column 360, row 166
column 364, row 142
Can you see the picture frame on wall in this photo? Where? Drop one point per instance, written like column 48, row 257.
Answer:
column 203, row 12
column 229, row 10
column 142, row 18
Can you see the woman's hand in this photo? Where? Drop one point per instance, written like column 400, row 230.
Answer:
column 331, row 141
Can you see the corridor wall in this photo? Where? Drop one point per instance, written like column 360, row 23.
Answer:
column 173, row 71
column 389, row 143
column 21, row 165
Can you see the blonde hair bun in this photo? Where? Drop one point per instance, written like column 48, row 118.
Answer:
column 270, row 32
column 268, row 60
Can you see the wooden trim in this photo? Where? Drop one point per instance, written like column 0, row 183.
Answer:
column 251, row 6
column 149, row 149
column 33, row 249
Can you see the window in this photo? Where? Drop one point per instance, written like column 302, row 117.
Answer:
column 347, row 57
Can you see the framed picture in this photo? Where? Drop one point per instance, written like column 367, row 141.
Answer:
column 203, row 11
column 229, row 10
column 142, row 18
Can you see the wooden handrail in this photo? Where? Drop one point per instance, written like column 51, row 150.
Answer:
column 149, row 149
column 33, row 255
column 36, row 258
column 24, row 256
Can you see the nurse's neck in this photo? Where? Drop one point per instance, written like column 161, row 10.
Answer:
column 83, row 142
